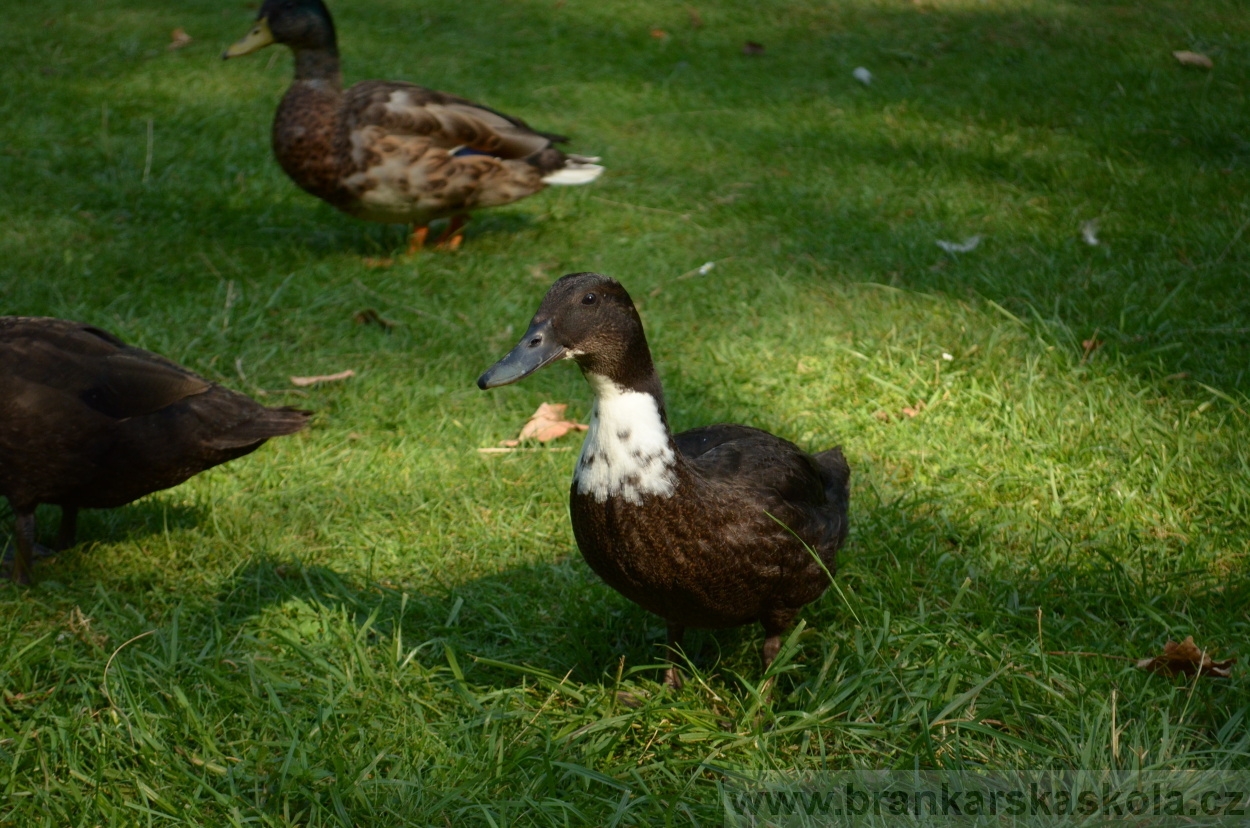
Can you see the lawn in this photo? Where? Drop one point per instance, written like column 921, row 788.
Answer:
column 373, row 623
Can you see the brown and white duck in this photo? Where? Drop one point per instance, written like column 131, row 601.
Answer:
column 87, row 422
column 714, row 527
column 394, row 152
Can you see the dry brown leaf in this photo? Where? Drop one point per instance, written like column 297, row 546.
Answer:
column 178, row 38
column 659, row 34
column 369, row 316
column 913, row 410
column 546, row 424
column 1193, row 59
column 1185, row 658
column 630, row 700
column 378, row 261
column 752, row 48
column 1090, row 345
column 303, row 382
column 538, row 272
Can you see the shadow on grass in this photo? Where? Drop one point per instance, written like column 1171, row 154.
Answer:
column 906, row 561
column 145, row 518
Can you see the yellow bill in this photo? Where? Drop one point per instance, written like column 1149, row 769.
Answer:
column 255, row 40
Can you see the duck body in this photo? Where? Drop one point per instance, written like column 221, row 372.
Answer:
column 714, row 527
column 707, row 554
column 89, row 422
column 395, row 152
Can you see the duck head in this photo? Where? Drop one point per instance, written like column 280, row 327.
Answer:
column 303, row 25
column 589, row 318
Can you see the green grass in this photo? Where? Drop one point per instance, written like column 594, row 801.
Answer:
column 373, row 624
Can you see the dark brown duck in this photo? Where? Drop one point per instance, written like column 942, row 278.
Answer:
column 708, row 528
column 396, row 152
column 87, row 422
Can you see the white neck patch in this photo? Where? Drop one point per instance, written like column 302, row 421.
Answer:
column 627, row 452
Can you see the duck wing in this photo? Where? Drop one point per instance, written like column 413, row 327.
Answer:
column 748, row 458
column 808, row 495
column 448, row 121
column 94, row 367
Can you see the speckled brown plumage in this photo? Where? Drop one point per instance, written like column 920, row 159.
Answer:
column 89, row 422
column 395, row 152
column 714, row 527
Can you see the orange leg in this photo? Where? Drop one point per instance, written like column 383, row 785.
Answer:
column 453, row 236
column 417, row 240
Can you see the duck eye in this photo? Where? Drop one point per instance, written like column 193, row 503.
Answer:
column 588, row 299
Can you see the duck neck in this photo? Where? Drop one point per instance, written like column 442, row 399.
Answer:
column 629, row 451
column 319, row 66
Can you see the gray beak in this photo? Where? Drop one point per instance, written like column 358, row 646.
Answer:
column 537, row 348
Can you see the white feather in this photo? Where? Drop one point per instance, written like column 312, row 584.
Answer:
column 1089, row 232
column 574, row 173
column 627, row 452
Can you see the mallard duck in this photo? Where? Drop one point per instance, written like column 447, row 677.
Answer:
column 714, row 527
column 87, row 422
column 394, row 152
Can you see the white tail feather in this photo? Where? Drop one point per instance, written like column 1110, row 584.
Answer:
column 574, row 173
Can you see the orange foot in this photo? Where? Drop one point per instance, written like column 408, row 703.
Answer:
column 417, row 240
column 453, row 236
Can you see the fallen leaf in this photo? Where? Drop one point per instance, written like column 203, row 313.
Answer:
column 369, row 316
column 966, row 246
column 546, row 424
column 629, row 700
column 696, row 19
column 1198, row 59
column 378, row 261
column 912, row 411
column 306, row 381
column 1187, row 659
column 1090, row 345
column 659, row 34
column 178, row 38
column 752, row 48
column 539, row 271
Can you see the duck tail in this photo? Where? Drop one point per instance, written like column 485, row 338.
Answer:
column 575, row 172
column 270, row 422
column 836, row 474
column 562, row 168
